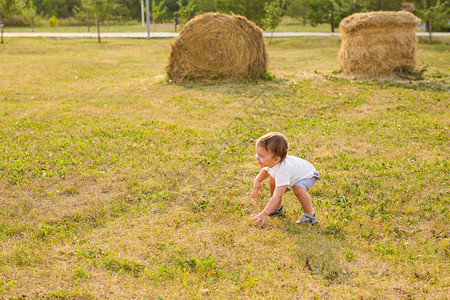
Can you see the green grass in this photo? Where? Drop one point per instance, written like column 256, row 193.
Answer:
column 118, row 184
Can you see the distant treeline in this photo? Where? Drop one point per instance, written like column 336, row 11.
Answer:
column 131, row 9
column 311, row 11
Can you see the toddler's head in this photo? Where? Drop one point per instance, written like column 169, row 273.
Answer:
column 274, row 143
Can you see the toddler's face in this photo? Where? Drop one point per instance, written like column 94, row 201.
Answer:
column 265, row 158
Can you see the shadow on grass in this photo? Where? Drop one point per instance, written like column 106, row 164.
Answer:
column 417, row 83
column 425, row 86
column 321, row 250
column 251, row 87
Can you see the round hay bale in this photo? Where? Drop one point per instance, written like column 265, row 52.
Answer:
column 214, row 46
column 378, row 44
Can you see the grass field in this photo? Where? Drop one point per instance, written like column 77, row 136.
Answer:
column 115, row 183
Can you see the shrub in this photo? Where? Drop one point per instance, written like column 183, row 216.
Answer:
column 53, row 21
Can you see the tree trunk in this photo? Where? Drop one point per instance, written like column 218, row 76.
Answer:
column 142, row 13
column 271, row 36
column 147, row 17
column 154, row 21
column 332, row 22
column 429, row 37
column 1, row 26
column 88, row 22
column 98, row 27
column 332, row 19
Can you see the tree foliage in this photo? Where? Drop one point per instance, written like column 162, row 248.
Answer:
column 432, row 13
column 331, row 11
column 131, row 9
column 374, row 5
column 205, row 5
column 9, row 8
column 296, row 9
column 99, row 9
column 185, row 11
column 158, row 10
column 316, row 11
column 251, row 9
column 58, row 8
column 29, row 15
column 274, row 12
column 321, row 11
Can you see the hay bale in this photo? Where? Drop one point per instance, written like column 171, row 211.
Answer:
column 214, row 45
column 378, row 44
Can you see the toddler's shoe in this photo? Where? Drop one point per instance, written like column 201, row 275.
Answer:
column 278, row 212
column 308, row 219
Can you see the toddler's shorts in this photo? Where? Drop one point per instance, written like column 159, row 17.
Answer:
column 307, row 183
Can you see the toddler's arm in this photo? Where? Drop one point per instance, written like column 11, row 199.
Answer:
column 270, row 207
column 257, row 183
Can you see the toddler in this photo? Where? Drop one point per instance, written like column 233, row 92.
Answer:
column 285, row 172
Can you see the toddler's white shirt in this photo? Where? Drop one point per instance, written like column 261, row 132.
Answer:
column 291, row 170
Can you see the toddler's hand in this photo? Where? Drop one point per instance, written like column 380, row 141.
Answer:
column 261, row 217
column 256, row 187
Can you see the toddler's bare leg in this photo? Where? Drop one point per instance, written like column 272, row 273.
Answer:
column 304, row 198
column 272, row 189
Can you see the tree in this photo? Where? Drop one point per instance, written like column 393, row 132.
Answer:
column 274, row 12
column 130, row 8
column 7, row 9
column 72, row 8
column 55, row 8
column 185, row 12
column 331, row 11
column 205, row 5
column 251, row 9
column 172, row 8
column 384, row 4
column 431, row 13
column 99, row 9
column 321, row 11
column 86, row 12
column 142, row 13
column 157, row 11
column 227, row 6
column 345, row 8
column 29, row 15
column 82, row 14
column 296, row 9
column 58, row 8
